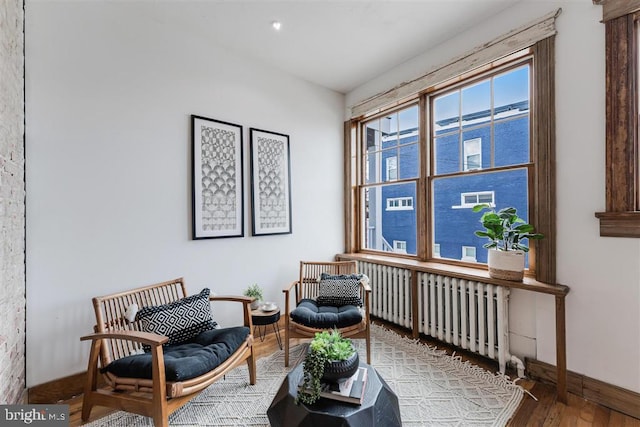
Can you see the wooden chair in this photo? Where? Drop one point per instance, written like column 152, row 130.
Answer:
column 307, row 286
column 115, row 337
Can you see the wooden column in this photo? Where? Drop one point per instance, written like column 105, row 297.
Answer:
column 561, row 349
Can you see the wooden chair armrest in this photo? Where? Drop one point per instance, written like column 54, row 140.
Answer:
column 246, row 306
column 366, row 286
column 233, row 298
column 148, row 338
column 290, row 286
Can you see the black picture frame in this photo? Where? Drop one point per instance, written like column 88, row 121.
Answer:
column 270, row 183
column 217, row 178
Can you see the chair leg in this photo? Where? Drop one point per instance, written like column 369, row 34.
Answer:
column 286, row 347
column 251, row 365
column 161, row 415
column 159, row 408
column 92, row 380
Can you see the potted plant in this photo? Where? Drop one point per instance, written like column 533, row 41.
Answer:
column 254, row 291
column 505, row 231
column 330, row 357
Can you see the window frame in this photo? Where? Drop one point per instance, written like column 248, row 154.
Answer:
column 525, row 57
column 397, row 249
column 389, row 162
column 401, row 206
column 465, row 257
column 465, row 155
column 541, row 184
column 465, row 205
column 621, row 217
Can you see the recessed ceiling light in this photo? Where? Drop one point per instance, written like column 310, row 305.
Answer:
column 276, row 25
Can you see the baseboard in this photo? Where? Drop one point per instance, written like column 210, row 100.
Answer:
column 24, row 397
column 611, row 396
column 60, row 389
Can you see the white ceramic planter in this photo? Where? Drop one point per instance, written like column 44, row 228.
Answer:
column 506, row 265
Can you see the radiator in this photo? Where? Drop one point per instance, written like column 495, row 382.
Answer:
column 467, row 314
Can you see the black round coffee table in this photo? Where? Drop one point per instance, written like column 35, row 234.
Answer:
column 379, row 408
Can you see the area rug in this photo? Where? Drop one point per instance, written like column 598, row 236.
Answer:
column 433, row 388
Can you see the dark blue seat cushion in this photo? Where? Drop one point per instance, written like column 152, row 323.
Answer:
column 187, row 360
column 309, row 313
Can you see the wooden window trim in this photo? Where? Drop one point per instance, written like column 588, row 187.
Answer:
column 543, row 183
column 612, row 9
column 622, row 216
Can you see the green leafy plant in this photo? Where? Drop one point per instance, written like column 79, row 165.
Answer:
column 324, row 348
column 254, row 291
column 505, row 229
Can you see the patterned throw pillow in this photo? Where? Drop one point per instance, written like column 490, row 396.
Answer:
column 180, row 320
column 339, row 290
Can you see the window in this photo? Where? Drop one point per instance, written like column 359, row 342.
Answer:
column 400, row 203
column 472, row 154
column 469, row 200
column 391, row 164
column 480, row 133
column 400, row 246
column 622, row 216
column 456, row 144
column 469, row 253
column 392, row 168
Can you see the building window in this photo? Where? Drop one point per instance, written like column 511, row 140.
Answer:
column 400, row 203
column 436, row 250
column 622, row 215
column 469, row 200
column 469, row 253
column 472, row 158
column 400, row 246
column 392, row 168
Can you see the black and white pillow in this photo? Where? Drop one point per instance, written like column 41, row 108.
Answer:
column 339, row 290
column 180, row 320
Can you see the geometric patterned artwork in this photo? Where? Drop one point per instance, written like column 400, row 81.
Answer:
column 270, row 183
column 217, row 181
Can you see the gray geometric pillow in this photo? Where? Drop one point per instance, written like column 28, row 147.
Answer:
column 180, row 320
column 339, row 289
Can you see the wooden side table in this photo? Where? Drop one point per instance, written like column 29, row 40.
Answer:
column 261, row 319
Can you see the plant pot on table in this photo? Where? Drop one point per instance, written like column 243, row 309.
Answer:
column 335, row 370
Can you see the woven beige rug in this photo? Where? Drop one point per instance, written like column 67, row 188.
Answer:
column 433, row 389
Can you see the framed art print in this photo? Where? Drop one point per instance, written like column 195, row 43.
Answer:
column 217, row 179
column 270, row 183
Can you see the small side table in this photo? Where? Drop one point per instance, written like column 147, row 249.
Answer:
column 261, row 319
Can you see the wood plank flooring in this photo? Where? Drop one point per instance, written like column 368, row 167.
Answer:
column 546, row 412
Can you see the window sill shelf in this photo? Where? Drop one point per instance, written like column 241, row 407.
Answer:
column 461, row 272
column 619, row 224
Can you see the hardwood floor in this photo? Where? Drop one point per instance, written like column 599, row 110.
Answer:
column 546, row 412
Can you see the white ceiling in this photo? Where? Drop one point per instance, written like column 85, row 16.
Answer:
column 336, row 44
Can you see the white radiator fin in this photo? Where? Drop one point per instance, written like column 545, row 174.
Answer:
column 468, row 314
column 391, row 292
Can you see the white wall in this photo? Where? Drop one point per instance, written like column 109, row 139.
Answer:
column 109, row 96
column 603, row 307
